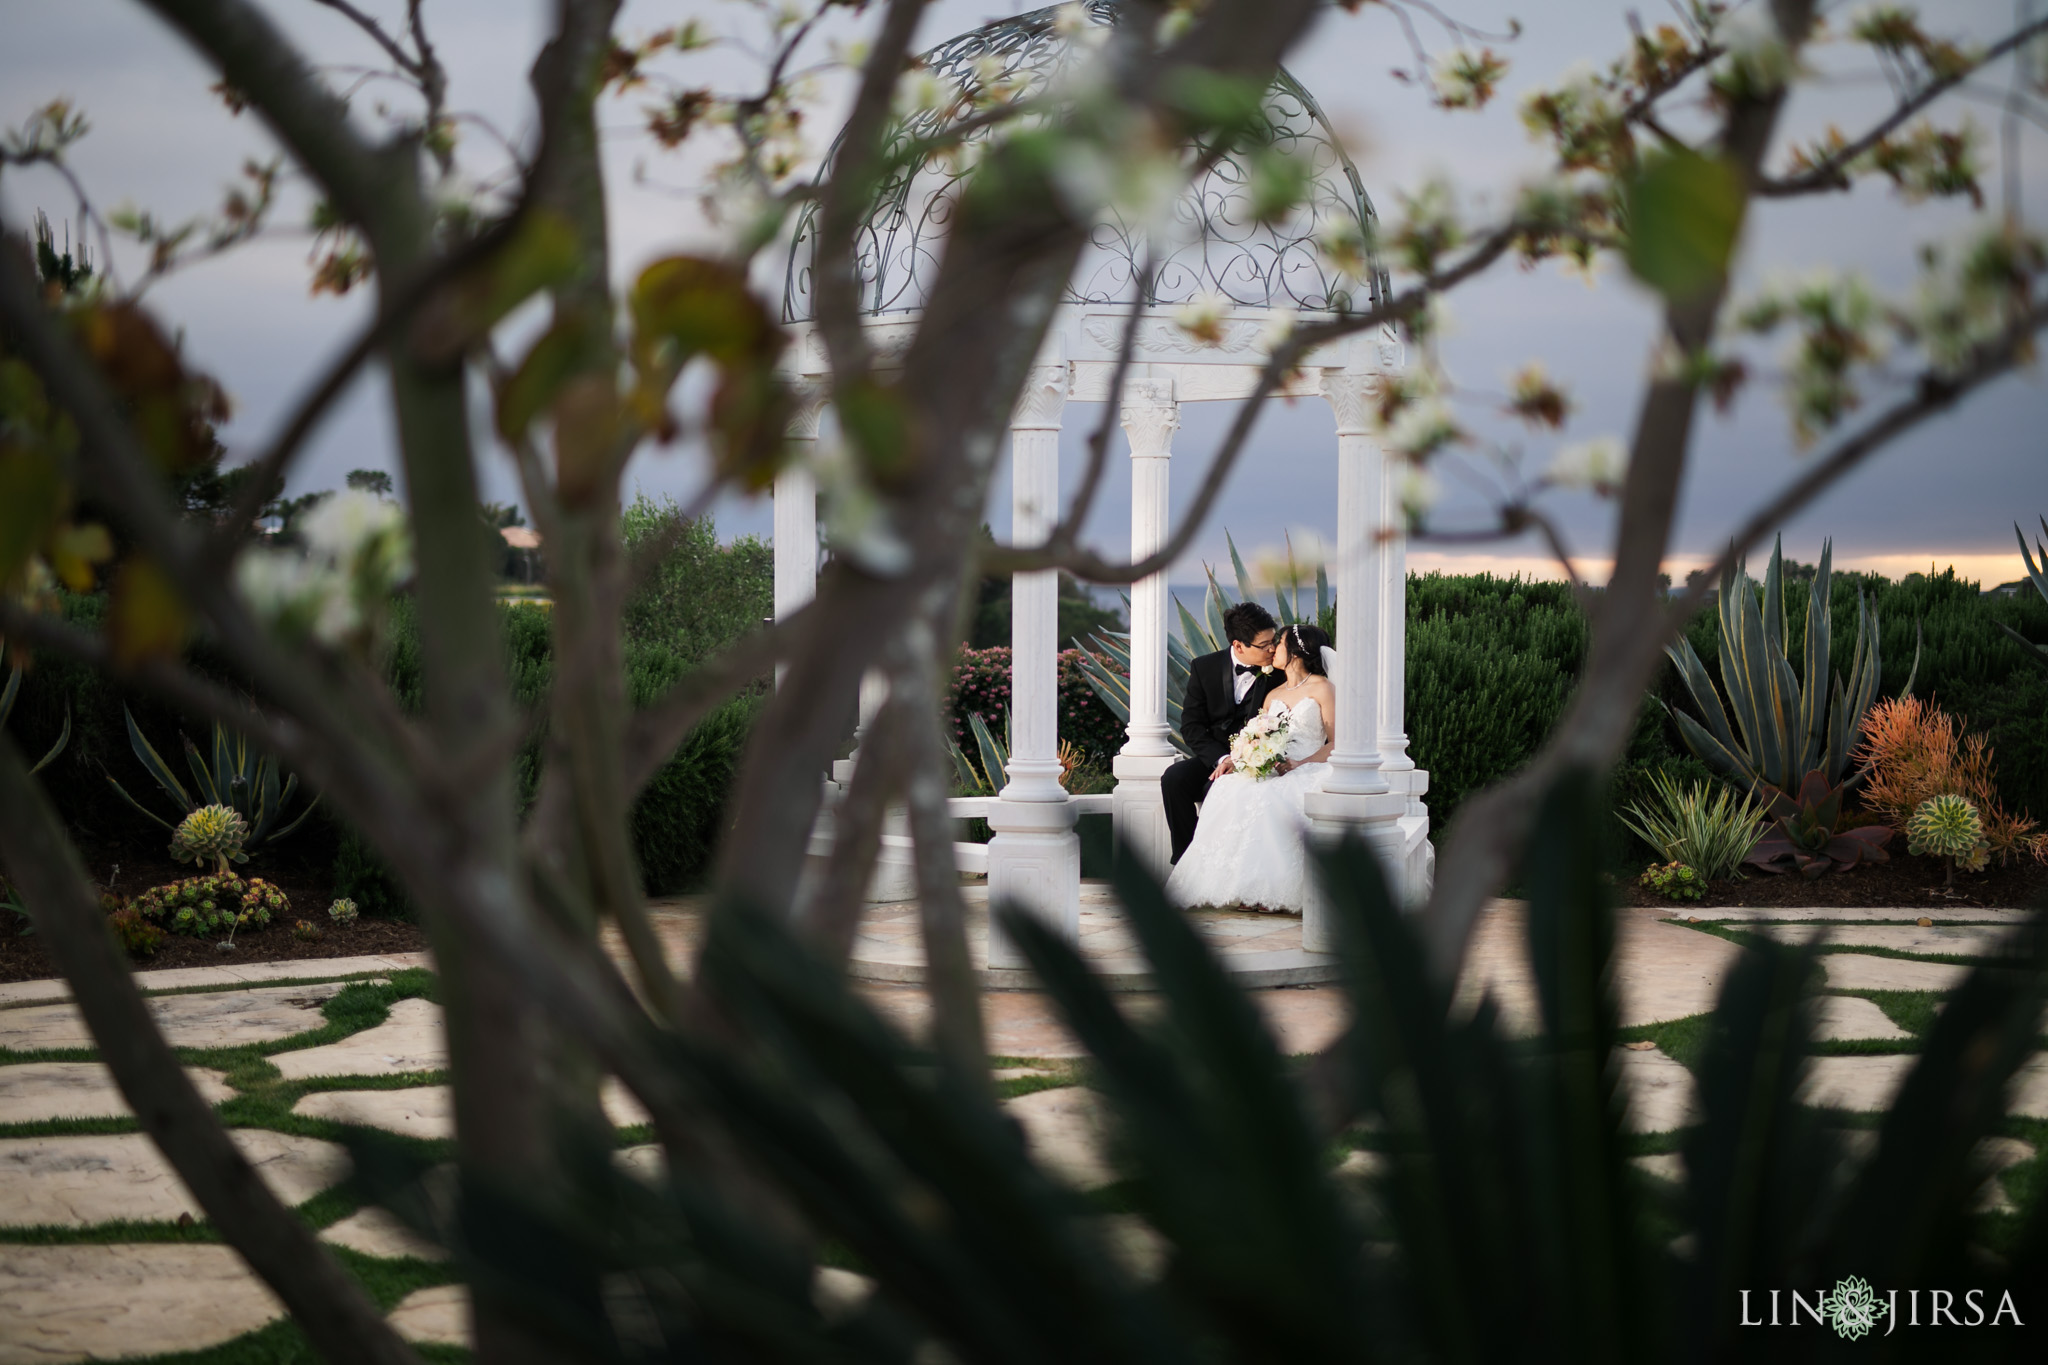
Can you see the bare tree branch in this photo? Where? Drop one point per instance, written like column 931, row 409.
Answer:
column 1831, row 171
column 1934, row 394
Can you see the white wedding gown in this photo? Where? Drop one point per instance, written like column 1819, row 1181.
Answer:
column 1251, row 844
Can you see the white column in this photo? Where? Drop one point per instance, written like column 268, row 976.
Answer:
column 1034, row 860
column 1392, row 681
column 1361, row 515
column 796, row 509
column 1150, row 417
column 1034, row 597
column 1355, row 795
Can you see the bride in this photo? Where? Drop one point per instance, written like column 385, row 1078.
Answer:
column 1251, row 846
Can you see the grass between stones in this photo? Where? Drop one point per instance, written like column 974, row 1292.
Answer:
column 264, row 1099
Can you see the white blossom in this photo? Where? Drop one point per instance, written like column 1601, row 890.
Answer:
column 1202, row 317
column 1418, row 491
column 357, row 553
column 1759, row 58
column 1280, row 325
column 1422, row 428
column 1599, row 464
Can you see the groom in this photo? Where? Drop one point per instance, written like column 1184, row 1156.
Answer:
column 1225, row 689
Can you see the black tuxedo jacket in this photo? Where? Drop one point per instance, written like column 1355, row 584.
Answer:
column 1210, row 713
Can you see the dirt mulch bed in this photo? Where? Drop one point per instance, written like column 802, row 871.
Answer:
column 130, row 863
column 23, row 959
column 1905, row 881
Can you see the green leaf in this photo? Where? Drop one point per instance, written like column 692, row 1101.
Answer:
column 63, row 738
column 153, row 764
column 32, row 498
column 563, row 351
column 1684, row 211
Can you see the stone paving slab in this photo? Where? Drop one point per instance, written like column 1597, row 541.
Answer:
column 428, row 1111
column 1863, row 1084
column 375, row 1232
column 439, row 1315
column 1665, row 971
column 31, row 1092
column 1897, row 914
column 1841, row 1017
column 2029, row 1096
column 13, row 993
column 66, row 1303
column 425, row 1111
column 1064, row 1130
column 217, row 1019
column 1860, row 972
column 409, row 1039
column 1942, row 940
column 102, row 1178
column 1025, row 1023
column 1659, row 1092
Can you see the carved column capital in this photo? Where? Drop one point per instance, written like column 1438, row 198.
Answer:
column 809, row 406
column 1150, row 417
column 1351, row 395
column 1043, row 400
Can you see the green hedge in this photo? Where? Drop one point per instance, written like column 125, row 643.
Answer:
column 675, row 822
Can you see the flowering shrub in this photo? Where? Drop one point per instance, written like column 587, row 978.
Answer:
column 981, row 685
column 134, row 933
column 198, row 906
column 1675, row 881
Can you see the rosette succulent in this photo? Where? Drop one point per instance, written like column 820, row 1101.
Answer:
column 1948, row 827
column 216, row 832
column 342, row 911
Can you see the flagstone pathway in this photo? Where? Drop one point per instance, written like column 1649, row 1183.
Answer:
column 104, row 1255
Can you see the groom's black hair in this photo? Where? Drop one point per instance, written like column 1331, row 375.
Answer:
column 1243, row 622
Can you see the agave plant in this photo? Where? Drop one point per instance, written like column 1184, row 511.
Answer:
column 1107, row 662
column 994, row 773
column 239, row 778
column 1497, row 1215
column 1788, row 729
column 2038, row 574
column 8, row 693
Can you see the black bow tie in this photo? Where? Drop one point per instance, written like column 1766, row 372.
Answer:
column 1245, row 668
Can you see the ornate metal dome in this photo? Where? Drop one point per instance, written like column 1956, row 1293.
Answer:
column 1221, row 248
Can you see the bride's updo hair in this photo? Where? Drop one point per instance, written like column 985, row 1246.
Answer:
column 1307, row 643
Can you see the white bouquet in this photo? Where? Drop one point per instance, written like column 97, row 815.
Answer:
column 1259, row 747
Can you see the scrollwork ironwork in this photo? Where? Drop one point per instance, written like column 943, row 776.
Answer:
column 1219, row 245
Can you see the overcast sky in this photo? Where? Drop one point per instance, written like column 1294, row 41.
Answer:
column 1949, row 494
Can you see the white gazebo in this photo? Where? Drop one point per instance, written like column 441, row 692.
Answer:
column 1262, row 276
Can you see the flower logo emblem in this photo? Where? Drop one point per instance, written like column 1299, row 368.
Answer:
column 1853, row 1308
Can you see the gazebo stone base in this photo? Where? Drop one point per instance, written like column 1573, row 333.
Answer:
column 1034, row 861
column 1256, row 949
